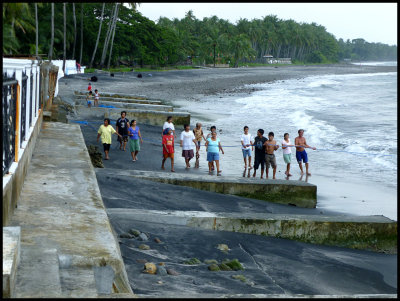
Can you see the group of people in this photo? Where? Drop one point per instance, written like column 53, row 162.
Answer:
column 92, row 96
column 264, row 149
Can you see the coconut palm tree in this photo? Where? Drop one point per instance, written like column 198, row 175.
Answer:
column 80, row 57
column 112, row 39
column 74, row 16
column 98, row 37
column 65, row 35
column 37, row 31
column 108, row 35
column 52, row 32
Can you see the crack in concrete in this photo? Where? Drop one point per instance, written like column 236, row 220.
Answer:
column 260, row 268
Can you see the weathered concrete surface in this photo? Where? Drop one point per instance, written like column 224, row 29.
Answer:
column 11, row 258
column 143, row 116
column 61, row 208
column 119, row 95
column 296, row 193
column 125, row 100
column 129, row 105
column 13, row 181
column 169, row 295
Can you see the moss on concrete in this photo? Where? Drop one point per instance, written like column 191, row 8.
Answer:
column 224, row 267
column 213, row 268
column 234, row 264
column 239, row 277
column 192, row 261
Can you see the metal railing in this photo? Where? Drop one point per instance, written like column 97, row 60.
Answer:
column 23, row 107
column 9, row 120
column 30, row 101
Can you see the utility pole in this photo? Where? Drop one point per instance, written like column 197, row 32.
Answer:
column 214, row 53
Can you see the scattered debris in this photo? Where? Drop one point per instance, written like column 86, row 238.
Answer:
column 149, row 268
column 144, row 247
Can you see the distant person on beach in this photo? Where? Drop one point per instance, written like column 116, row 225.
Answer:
column 301, row 144
column 270, row 147
column 199, row 135
column 259, row 152
column 213, row 146
column 96, row 98
column 168, row 148
column 169, row 125
column 247, row 146
column 105, row 131
column 122, row 126
column 89, row 88
column 134, row 136
column 287, row 153
column 89, row 98
column 187, row 140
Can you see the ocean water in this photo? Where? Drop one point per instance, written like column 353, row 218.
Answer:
column 351, row 119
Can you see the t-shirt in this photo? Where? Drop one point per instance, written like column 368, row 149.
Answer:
column 89, row 88
column 168, row 141
column 96, row 96
column 246, row 140
column 105, row 133
column 135, row 133
column 168, row 125
column 288, row 149
column 122, row 125
column 259, row 148
column 187, row 140
column 213, row 146
column 198, row 133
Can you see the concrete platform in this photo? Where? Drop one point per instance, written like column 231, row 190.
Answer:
column 127, row 100
column 295, row 193
column 61, row 209
column 128, row 105
column 11, row 258
column 374, row 233
column 142, row 116
column 113, row 94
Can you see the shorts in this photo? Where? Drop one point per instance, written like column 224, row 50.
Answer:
column 124, row 138
column 212, row 157
column 301, row 155
column 258, row 161
column 134, row 145
column 188, row 154
column 106, row 146
column 270, row 160
column 168, row 155
column 287, row 158
column 246, row 152
column 89, row 103
column 198, row 143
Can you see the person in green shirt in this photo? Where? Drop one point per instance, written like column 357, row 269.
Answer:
column 105, row 131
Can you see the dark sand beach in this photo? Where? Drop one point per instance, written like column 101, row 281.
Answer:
column 272, row 265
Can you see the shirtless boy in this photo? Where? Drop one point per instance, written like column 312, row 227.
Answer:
column 301, row 154
column 270, row 147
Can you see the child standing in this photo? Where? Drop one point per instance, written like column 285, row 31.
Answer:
column 259, row 152
column 96, row 98
column 169, row 125
column 168, row 149
column 89, row 98
column 89, row 88
column 287, row 153
column 198, row 134
column 247, row 146
column 270, row 147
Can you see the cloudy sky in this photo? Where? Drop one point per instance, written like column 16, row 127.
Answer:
column 374, row 22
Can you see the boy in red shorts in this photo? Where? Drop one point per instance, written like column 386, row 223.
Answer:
column 168, row 149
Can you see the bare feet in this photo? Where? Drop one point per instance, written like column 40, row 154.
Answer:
column 273, row 178
column 261, row 177
column 286, row 173
column 308, row 174
column 289, row 175
column 173, row 170
column 162, row 167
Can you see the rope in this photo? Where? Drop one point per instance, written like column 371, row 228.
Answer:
column 240, row 145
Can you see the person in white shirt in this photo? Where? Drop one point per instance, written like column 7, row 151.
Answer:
column 188, row 141
column 168, row 125
column 287, row 153
column 247, row 146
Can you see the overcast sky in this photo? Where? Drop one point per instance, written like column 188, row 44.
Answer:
column 374, row 22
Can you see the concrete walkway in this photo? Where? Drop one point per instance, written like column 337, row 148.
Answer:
column 67, row 245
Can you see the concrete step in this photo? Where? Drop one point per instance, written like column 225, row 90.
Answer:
column 128, row 105
column 38, row 261
column 143, row 116
column 127, row 100
column 78, row 282
column 11, row 258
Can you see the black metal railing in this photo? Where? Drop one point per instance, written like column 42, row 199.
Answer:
column 9, row 117
column 40, row 89
column 23, row 108
column 36, row 93
column 30, row 99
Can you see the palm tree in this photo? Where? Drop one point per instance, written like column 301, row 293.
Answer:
column 37, row 32
column 108, row 35
column 80, row 57
column 98, row 37
column 65, row 35
column 52, row 32
column 112, row 39
column 73, row 12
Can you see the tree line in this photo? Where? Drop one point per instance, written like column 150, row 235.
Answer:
column 109, row 34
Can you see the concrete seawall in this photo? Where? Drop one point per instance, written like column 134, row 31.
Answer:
column 68, row 248
column 295, row 193
column 128, row 105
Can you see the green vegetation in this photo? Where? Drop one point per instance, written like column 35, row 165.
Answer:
column 135, row 41
column 192, row 261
